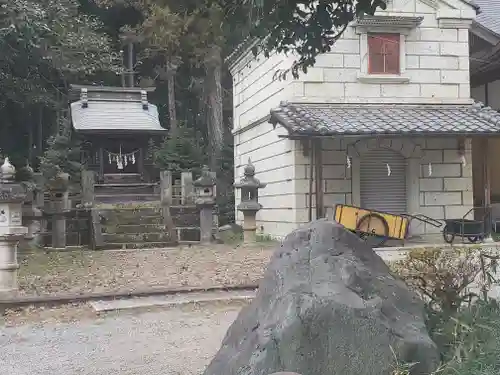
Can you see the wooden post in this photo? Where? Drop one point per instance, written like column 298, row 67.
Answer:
column 166, row 202
column 487, row 191
column 39, row 204
column 319, row 178
column 215, row 215
column 88, row 181
column 101, row 163
column 140, row 163
column 187, row 187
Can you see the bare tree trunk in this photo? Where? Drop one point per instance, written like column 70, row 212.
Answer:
column 172, row 112
column 171, row 70
column 213, row 70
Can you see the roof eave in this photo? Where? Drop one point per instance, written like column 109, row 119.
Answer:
column 485, row 33
column 234, row 58
column 91, row 88
column 296, row 135
column 119, row 131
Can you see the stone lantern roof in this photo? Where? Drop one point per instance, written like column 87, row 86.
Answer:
column 206, row 179
column 249, row 180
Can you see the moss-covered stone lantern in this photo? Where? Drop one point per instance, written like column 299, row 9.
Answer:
column 204, row 190
column 249, row 205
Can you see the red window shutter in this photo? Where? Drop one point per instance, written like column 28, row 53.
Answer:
column 384, row 53
column 375, row 56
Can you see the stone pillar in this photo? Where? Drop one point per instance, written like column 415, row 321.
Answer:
column 88, row 182
column 58, row 210
column 205, row 201
column 187, row 187
column 249, row 205
column 249, row 227
column 166, row 202
column 12, row 196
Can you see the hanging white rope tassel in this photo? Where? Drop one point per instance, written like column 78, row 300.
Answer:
column 430, row 169
column 388, row 170
column 464, row 161
column 348, row 162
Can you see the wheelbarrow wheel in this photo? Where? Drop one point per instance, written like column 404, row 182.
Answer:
column 448, row 235
column 474, row 239
column 373, row 229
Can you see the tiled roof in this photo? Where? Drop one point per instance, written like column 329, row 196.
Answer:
column 364, row 119
column 489, row 14
column 115, row 116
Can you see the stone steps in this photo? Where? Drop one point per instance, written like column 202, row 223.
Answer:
column 111, row 178
column 125, row 188
column 129, row 226
column 125, row 197
column 134, row 228
column 136, row 237
column 137, row 245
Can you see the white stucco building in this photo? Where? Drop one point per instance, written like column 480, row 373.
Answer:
column 386, row 117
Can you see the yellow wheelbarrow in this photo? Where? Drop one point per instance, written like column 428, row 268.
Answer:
column 376, row 227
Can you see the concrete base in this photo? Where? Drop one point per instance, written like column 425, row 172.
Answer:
column 171, row 300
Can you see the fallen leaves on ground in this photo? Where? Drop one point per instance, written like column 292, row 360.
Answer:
column 81, row 272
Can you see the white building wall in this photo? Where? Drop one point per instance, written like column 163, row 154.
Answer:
column 445, row 193
column 435, row 63
column 274, row 159
column 255, row 89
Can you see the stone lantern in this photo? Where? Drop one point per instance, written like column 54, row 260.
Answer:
column 204, row 190
column 12, row 196
column 249, row 205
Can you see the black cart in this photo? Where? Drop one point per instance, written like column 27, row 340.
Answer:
column 472, row 230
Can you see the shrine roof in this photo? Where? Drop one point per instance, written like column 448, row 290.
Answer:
column 105, row 116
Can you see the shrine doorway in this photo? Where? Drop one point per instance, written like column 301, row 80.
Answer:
column 121, row 157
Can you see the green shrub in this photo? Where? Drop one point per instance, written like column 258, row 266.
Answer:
column 62, row 156
column 465, row 324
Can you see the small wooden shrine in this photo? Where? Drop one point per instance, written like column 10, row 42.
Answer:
column 116, row 125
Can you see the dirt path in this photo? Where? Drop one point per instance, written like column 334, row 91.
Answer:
column 170, row 342
column 108, row 271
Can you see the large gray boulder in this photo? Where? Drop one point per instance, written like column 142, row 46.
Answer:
column 327, row 305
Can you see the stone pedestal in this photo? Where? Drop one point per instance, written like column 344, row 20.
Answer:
column 9, row 240
column 206, row 221
column 249, row 227
column 58, row 210
column 12, row 231
column 205, row 201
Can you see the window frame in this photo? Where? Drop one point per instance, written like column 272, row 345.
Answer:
column 371, row 48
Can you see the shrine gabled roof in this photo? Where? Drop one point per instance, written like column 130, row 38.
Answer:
column 304, row 119
column 115, row 116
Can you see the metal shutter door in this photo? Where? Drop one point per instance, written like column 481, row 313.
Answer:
column 378, row 190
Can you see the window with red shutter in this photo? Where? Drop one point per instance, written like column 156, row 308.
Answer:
column 383, row 53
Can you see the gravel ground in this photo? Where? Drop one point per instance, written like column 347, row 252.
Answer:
column 168, row 342
column 81, row 272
